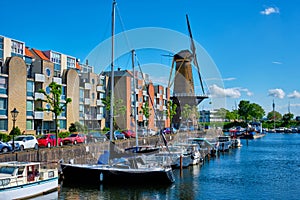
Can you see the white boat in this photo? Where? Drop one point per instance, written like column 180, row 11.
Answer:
column 224, row 143
column 19, row 180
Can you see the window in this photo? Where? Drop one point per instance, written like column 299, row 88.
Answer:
column 16, row 48
column 63, row 93
column 29, row 108
column 3, row 106
column 62, row 124
column 30, row 88
column 93, row 96
column 3, row 124
column 81, row 95
column 1, row 48
column 48, row 107
column 93, row 81
column 29, row 124
column 70, row 62
column 3, row 85
column 48, row 90
column 48, row 72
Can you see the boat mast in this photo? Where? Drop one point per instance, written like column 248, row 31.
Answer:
column 134, row 100
column 112, row 72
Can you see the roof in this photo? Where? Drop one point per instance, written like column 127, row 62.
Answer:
column 78, row 66
column 28, row 53
column 40, row 54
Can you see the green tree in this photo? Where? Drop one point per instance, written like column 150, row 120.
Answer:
column 146, row 112
column 249, row 110
column 185, row 113
column 243, row 109
column 119, row 107
column 233, row 115
column 256, row 111
column 195, row 115
column 221, row 113
column 76, row 127
column 286, row 118
column 53, row 99
column 274, row 116
column 170, row 112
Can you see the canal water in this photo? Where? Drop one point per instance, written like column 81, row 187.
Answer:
column 265, row 168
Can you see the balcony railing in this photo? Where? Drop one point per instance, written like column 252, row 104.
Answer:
column 38, row 115
column 57, row 80
column 39, row 78
column 38, row 95
column 87, row 86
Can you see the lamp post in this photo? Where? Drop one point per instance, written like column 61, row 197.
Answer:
column 14, row 113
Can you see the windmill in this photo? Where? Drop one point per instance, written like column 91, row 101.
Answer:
column 183, row 81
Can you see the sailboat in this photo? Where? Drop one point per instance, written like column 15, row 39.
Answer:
column 130, row 169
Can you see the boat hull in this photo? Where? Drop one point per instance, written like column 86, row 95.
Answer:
column 97, row 174
column 29, row 190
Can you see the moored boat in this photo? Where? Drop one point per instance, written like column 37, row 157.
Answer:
column 19, row 180
column 126, row 170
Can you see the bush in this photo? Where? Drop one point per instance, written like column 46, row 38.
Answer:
column 4, row 137
column 63, row 134
column 105, row 129
column 15, row 131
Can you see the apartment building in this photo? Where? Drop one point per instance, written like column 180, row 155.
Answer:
column 148, row 96
column 24, row 71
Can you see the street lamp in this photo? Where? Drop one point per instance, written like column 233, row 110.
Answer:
column 14, row 113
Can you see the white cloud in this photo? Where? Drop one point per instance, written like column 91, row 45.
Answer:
column 224, row 79
column 295, row 105
column 249, row 93
column 277, row 63
column 270, row 10
column 279, row 93
column 216, row 91
column 294, row 95
column 160, row 80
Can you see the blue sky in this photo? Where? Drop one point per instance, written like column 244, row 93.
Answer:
column 255, row 44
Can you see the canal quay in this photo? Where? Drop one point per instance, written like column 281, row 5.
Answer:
column 264, row 168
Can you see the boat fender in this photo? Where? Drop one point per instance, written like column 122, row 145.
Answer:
column 101, row 177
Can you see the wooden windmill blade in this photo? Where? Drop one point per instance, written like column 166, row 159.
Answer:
column 193, row 49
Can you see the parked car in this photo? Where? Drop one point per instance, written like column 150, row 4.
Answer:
column 129, row 133
column 151, row 132
column 25, row 142
column 142, row 133
column 117, row 135
column 95, row 137
column 5, row 147
column 49, row 140
column 183, row 128
column 75, row 138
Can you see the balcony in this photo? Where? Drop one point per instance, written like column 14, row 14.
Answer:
column 100, row 116
column 39, row 78
column 87, row 86
column 100, row 89
column 38, row 95
column 57, row 80
column 99, row 103
column 87, row 101
column 38, row 115
column 145, row 93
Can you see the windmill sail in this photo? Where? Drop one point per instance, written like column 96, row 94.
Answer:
column 193, row 49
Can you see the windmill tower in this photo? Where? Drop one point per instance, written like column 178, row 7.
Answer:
column 184, row 90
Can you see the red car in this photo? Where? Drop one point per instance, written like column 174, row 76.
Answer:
column 75, row 139
column 49, row 140
column 129, row 133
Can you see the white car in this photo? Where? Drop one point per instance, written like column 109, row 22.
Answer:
column 25, row 142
